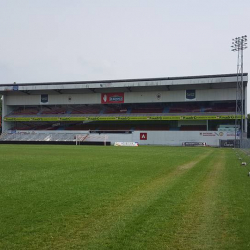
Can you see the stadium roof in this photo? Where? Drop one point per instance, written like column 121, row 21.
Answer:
column 225, row 80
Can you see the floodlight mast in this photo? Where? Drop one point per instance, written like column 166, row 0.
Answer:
column 239, row 44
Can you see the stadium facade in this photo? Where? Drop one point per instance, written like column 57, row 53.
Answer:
column 156, row 111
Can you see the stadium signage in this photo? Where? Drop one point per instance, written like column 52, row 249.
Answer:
column 233, row 133
column 109, row 98
column 192, row 144
column 143, row 136
column 44, row 99
column 227, row 143
column 121, row 118
column 208, row 134
column 190, row 94
column 15, row 88
column 212, row 133
column 128, row 144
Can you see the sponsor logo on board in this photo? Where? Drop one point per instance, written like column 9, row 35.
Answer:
column 190, row 94
column 44, row 99
column 15, row 88
column 143, row 136
column 211, row 134
column 193, row 144
column 109, row 98
column 228, row 143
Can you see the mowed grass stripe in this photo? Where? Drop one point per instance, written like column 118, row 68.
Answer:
column 63, row 197
column 46, row 190
column 108, row 225
column 201, row 225
column 155, row 225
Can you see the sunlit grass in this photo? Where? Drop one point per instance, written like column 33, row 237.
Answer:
column 81, row 197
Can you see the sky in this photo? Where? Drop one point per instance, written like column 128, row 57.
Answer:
column 80, row 40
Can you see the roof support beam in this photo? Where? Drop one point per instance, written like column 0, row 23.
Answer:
column 26, row 92
column 58, row 91
column 129, row 89
column 93, row 90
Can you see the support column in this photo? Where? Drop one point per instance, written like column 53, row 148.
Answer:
column 5, row 111
column 245, row 102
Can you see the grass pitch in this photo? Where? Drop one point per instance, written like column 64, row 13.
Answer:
column 82, row 197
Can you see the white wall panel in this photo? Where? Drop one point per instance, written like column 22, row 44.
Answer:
column 67, row 99
column 130, row 97
column 170, row 138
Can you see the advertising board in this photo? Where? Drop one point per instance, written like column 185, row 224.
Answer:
column 228, row 143
column 121, row 118
column 127, row 144
column 109, row 98
column 194, row 144
column 143, row 136
column 190, row 95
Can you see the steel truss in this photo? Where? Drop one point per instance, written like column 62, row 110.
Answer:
column 239, row 44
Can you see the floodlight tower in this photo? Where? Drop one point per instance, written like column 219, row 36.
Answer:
column 239, row 44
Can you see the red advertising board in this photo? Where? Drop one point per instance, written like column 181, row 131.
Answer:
column 109, row 98
column 143, row 136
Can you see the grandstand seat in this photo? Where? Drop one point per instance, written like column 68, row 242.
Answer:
column 25, row 111
column 53, row 110
column 85, row 109
column 147, row 110
column 193, row 128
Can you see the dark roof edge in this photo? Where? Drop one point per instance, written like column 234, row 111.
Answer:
column 125, row 80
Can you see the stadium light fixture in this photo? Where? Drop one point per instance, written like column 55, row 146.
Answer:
column 239, row 44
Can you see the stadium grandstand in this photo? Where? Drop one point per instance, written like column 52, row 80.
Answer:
column 155, row 111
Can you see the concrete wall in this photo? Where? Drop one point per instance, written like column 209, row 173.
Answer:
column 170, row 138
column 173, row 138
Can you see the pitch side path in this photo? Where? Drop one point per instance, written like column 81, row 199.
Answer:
column 92, row 197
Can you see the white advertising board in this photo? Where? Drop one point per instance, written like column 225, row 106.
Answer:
column 128, row 144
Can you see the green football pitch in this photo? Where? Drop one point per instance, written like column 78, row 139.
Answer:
column 95, row 197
